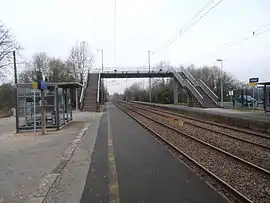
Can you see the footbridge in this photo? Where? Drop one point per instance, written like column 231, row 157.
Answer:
column 205, row 97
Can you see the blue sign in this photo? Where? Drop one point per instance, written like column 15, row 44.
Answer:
column 43, row 85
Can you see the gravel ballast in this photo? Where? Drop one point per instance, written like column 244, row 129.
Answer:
column 252, row 153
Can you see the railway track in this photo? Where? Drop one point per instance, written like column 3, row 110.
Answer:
column 246, row 181
column 248, row 150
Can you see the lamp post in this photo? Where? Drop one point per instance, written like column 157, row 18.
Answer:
column 149, row 66
column 221, row 81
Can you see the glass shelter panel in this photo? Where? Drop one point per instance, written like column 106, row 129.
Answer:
column 58, row 109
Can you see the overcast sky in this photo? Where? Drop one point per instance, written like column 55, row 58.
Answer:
column 53, row 26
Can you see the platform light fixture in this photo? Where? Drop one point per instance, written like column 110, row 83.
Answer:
column 221, row 82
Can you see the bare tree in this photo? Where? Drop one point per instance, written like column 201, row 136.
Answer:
column 51, row 69
column 80, row 60
column 7, row 45
column 40, row 65
column 27, row 74
column 59, row 71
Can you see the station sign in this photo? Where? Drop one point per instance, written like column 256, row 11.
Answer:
column 37, row 84
column 253, row 82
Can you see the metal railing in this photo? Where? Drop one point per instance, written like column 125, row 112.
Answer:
column 130, row 69
column 188, row 75
column 178, row 77
column 200, row 83
column 98, row 89
column 85, row 83
column 189, row 85
column 194, row 91
column 208, row 91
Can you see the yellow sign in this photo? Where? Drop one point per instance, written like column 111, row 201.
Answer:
column 252, row 84
column 35, row 85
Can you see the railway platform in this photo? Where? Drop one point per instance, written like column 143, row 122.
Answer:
column 129, row 165
column 260, row 116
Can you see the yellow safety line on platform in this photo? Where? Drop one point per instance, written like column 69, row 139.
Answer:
column 113, row 180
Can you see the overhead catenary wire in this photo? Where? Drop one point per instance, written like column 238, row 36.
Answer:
column 238, row 41
column 252, row 34
column 176, row 34
column 195, row 20
column 205, row 14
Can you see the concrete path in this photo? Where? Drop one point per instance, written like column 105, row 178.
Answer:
column 26, row 159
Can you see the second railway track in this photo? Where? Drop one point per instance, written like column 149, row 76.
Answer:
column 252, row 152
column 251, row 181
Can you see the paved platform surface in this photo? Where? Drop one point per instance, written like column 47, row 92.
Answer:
column 71, row 183
column 25, row 159
column 7, row 125
column 146, row 171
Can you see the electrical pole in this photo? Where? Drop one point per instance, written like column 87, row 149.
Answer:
column 221, row 81
column 149, row 65
column 16, row 89
column 76, row 95
column 15, row 67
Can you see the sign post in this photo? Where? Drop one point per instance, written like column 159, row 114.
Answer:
column 43, row 86
column 35, row 86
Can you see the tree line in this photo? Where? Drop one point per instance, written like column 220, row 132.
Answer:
column 54, row 69
column 41, row 66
